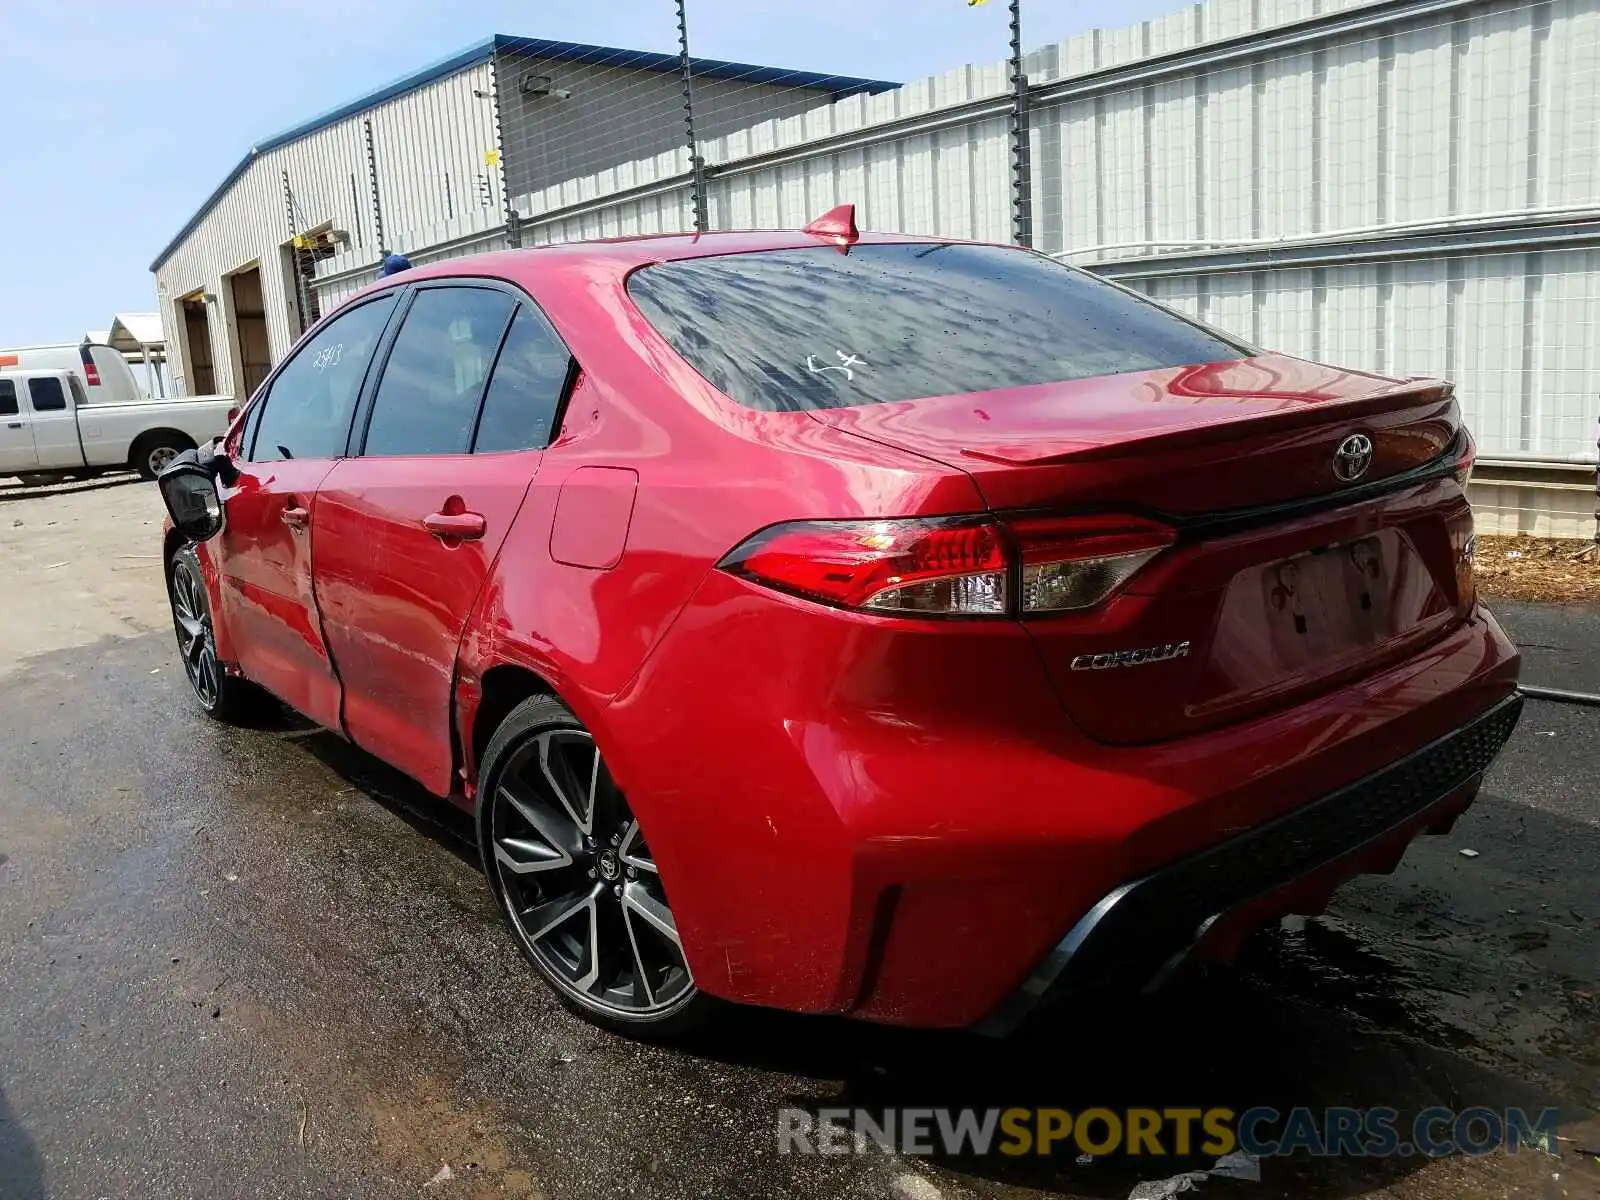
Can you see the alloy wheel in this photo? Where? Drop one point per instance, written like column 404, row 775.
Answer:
column 191, row 619
column 579, row 882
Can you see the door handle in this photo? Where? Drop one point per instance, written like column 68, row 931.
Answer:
column 13, row 424
column 295, row 517
column 464, row 526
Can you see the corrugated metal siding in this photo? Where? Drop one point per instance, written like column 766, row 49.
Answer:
column 1430, row 122
column 618, row 113
column 423, row 139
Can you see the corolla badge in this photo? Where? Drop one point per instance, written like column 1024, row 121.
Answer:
column 1353, row 457
column 1130, row 658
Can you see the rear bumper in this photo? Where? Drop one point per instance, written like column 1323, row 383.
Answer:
column 894, row 821
column 1137, row 934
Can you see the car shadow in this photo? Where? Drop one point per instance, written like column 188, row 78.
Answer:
column 435, row 819
column 1225, row 1039
column 15, row 489
column 21, row 1167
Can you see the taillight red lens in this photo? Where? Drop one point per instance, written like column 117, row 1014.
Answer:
column 952, row 566
column 927, row 566
column 91, row 373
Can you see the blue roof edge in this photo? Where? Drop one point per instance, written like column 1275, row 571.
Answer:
column 482, row 51
column 712, row 68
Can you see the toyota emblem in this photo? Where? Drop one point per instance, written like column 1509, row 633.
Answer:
column 1353, row 457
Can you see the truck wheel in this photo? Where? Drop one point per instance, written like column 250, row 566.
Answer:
column 153, row 453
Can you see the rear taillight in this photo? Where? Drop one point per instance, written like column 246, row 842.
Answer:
column 952, row 566
column 1468, row 459
column 91, row 373
column 933, row 566
column 1076, row 562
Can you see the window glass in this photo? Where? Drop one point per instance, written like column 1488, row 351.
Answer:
column 78, row 396
column 814, row 328
column 427, row 399
column 46, row 394
column 307, row 412
column 526, row 388
column 252, row 418
column 8, row 398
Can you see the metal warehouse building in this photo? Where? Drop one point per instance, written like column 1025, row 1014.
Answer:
column 432, row 166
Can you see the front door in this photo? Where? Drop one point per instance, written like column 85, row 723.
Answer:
column 408, row 530
column 264, row 553
column 16, row 434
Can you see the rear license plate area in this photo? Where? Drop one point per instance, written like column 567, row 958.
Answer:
column 1331, row 600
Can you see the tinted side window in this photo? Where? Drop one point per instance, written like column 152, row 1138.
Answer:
column 46, row 394
column 427, row 399
column 813, row 328
column 307, row 412
column 529, row 378
column 8, row 398
column 78, row 396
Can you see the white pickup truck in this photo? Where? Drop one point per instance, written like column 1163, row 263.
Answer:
column 48, row 429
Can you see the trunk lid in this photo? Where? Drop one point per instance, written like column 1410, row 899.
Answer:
column 1179, row 440
column 1250, row 610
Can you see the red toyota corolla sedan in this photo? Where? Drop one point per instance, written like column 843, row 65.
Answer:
column 909, row 629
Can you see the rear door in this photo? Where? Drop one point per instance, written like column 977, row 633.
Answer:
column 16, row 431
column 296, row 432
column 408, row 529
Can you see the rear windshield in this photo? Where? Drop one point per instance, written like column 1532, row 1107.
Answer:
column 814, row 328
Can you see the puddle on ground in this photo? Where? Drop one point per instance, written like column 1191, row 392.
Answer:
column 1326, row 962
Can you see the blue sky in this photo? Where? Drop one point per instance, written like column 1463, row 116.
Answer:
column 118, row 120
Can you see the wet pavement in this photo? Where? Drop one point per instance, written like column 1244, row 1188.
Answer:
column 256, row 963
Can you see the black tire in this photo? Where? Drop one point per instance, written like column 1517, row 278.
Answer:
column 575, row 881
column 153, row 451
column 225, row 697
column 37, row 478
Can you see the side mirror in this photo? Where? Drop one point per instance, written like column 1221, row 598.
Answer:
column 189, row 490
column 215, row 459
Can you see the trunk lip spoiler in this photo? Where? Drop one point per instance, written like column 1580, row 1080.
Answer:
column 1414, row 392
column 1231, row 520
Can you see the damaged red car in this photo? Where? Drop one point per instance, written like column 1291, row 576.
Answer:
column 915, row 630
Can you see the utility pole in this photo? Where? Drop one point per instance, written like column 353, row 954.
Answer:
column 697, row 165
column 372, row 180
column 1021, row 151
column 302, row 289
